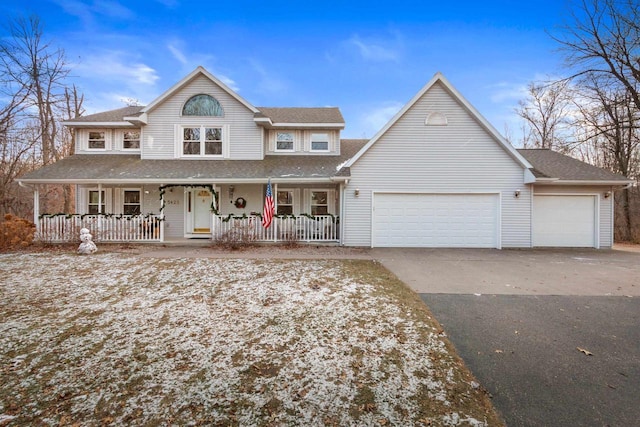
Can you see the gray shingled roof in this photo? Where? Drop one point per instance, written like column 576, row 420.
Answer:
column 117, row 115
column 302, row 114
column 276, row 114
column 551, row 164
column 129, row 168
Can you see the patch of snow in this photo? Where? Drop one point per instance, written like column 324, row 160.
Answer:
column 161, row 339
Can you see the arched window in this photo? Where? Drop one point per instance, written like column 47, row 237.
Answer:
column 202, row 105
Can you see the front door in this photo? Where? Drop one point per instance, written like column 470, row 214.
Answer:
column 201, row 211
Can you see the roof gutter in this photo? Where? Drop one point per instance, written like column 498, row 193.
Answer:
column 99, row 124
column 185, row 181
column 556, row 181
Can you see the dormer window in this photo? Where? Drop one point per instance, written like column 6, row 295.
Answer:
column 319, row 142
column 131, row 140
column 97, row 140
column 202, row 105
column 284, row 141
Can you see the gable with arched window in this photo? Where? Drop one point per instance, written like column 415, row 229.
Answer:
column 202, row 105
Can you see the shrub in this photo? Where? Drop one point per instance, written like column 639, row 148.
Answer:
column 16, row 233
column 238, row 237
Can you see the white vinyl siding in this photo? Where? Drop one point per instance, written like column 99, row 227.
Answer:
column 243, row 135
column 436, row 220
column 461, row 157
column 605, row 207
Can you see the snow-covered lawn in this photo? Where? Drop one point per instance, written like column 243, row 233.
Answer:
column 122, row 339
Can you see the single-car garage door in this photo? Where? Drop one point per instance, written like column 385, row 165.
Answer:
column 564, row 221
column 435, row 220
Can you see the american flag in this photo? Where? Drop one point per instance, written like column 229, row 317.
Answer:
column 269, row 207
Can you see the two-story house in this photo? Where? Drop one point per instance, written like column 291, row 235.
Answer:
column 195, row 162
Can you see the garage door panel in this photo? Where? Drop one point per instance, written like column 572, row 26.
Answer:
column 564, row 221
column 436, row 220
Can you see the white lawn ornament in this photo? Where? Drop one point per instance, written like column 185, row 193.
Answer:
column 87, row 247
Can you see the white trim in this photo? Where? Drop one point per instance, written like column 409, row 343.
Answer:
column 556, row 181
column 142, row 118
column 328, row 141
column 140, row 192
column 198, row 71
column 331, row 196
column 224, row 130
column 266, row 122
column 613, row 216
column 461, row 193
column 100, row 124
column 86, row 137
column 293, row 142
column 119, row 137
column 294, row 199
column 438, row 77
column 289, row 181
column 596, row 217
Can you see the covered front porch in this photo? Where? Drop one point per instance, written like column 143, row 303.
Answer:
column 139, row 213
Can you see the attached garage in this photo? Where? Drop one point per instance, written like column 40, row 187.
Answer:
column 436, row 220
column 565, row 221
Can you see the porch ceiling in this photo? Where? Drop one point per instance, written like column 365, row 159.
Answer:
column 117, row 168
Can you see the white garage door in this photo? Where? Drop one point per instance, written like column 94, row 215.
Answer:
column 568, row 221
column 436, row 220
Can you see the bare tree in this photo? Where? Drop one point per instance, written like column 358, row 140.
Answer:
column 603, row 41
column 546, row 113
column 610, row 129
column 34, row 72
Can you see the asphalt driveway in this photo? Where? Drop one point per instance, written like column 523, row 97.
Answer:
column 520, row 319
column 520, row 272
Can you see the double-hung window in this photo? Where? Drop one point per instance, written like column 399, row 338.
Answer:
column 97, row 140
column 319, row 142
column 96, row 203
column 284, row 141
column 131, row 140
column 319, row 202
column 131, row 202
column 202, row 141
column 285, row 202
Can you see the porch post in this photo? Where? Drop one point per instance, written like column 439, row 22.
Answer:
column 341, row 215
column 36, row 208
column 275, row 219
column 100, row 209
column 161, row 215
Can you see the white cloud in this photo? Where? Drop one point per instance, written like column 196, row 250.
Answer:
column 177, row 53
column 190, row 61
column 117, row 66
column 267, row 84
column 376, row 118
column 374, row 52
column 88, row 12
column 507, row 92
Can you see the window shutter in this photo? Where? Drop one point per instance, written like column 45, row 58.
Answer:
column 177, row 141
column 272, row 140
column 226, row 142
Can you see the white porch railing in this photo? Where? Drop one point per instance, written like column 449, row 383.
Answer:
column 321, row 228
column 117, row 228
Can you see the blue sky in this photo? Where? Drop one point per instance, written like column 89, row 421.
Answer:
column 368, row 58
